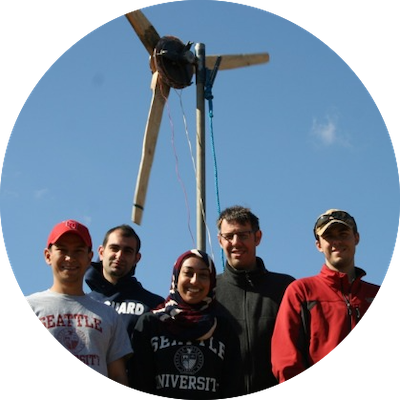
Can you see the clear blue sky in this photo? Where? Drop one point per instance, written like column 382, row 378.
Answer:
column 293, row 138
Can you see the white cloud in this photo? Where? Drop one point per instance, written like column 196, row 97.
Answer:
column 10, row 194
column 327, row 132
column 40, row 193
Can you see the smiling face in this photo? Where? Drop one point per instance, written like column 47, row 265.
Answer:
column 338, row 244
column 194, row 280
column 69, row 259
column 239, row 243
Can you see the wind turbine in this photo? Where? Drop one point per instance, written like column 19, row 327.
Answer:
column 173, row 65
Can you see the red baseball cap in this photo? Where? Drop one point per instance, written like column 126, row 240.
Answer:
column 69, row 226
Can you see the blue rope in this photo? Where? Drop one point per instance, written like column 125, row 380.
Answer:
column 208, row 95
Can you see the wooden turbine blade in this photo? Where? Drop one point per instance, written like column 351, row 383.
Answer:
column 144, row 29
column 160, row 95
column 230, row 61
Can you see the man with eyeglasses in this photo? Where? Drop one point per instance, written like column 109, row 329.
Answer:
column 318, row 312
column 248, row 294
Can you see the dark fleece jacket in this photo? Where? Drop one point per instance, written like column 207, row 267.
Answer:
column 250, row 299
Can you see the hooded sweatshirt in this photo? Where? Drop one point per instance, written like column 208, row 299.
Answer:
column 128, row 297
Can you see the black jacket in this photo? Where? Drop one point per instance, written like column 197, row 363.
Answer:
column 251, row 301
column 128, row 297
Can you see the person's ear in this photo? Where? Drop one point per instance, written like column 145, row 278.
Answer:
column 47, row 256
column 318, row 245
column 100, row 251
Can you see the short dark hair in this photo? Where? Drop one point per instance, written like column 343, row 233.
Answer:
column 126, row 231
column 239, row 214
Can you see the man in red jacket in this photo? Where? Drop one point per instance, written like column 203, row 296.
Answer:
column 318, row 312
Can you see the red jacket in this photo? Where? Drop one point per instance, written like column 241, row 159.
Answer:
column 315, row 315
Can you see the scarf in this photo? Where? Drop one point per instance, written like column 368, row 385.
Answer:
column 189, row 321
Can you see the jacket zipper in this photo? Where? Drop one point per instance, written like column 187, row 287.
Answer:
column 248, row 381
column 350, row 311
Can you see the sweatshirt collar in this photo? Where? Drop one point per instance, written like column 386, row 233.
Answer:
column 340, row 280
column 95, row 278
column 244, row 275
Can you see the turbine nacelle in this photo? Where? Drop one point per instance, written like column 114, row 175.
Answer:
column 174, row 62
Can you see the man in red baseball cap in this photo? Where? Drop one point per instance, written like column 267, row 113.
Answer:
column 69, row 253
column 90, row 330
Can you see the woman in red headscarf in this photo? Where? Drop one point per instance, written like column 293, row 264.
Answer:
column 183, row 349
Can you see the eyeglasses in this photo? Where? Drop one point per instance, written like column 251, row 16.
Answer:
column 339, row 215
column 241, row 236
